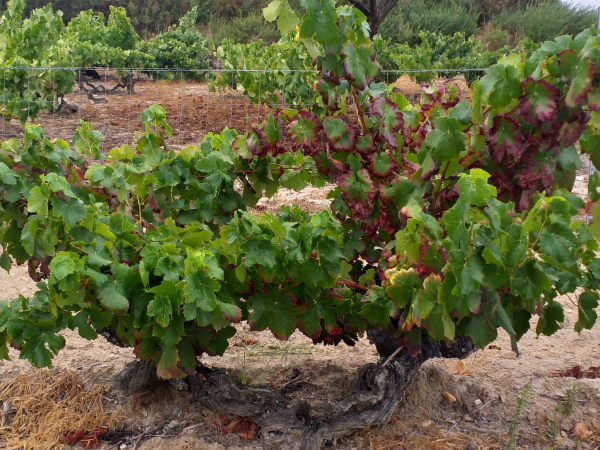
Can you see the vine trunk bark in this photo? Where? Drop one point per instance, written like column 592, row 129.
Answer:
column 371, row 402
column 376, row 394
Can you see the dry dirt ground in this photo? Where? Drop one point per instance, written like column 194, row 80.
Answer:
column 192, row 111
column 486, row 385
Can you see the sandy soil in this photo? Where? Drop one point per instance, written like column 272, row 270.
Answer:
column 485, row 385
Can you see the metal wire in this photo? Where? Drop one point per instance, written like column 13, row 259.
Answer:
column 4, row 108
column 218, row 71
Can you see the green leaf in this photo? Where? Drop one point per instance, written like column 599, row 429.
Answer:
column 400, row 285
column 581, row 83
column 38, row 201
column 474, row 188
column 316, row 274
column 4, row 347
column 476, row 109
column 426, row 300
column 72, row 211
column 29, row 234
column 595, row 223
column 241, row 273
column 491, row 252
column 99, row 317
column 447, row 139
column 557, row 238
column 7, row 176
column 367, row 278
column 472, row 275
column 5, row 261
column 169, row 267
column 232, row 313
column 147, row 348
column 502, row 319
column 529, row 281
column 280, row 10
column 407, row 244
column 61, row 266
column 358, row 186
column 104, row 231
column 594, row 267
column 330, row 249
column 449, row 327
column 377, row 307
column 127, row 277
column 481, row 331
column 461, row 112
column 587, row 317
column 339, row 133
column 80, row 321
column 391, row 119
column 200, row 289
column 275, row 311
column 319, row 311
column 56, row 182
column 455, row 217
column 359, row 65
column 320, row 21
column 260, row 252
column 34, row 350
column 504, row 82
column 383, row 164
column 219, row 342
column 161, row 308
column 550, row 320
column 167, row 366
column 335, row 128
column 111, row 296
column 517, row 245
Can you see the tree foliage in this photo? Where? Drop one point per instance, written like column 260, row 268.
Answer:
column 31, row 48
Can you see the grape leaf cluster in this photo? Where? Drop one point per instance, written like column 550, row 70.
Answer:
column 462, row 207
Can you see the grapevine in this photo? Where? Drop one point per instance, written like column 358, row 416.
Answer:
column 463, row 207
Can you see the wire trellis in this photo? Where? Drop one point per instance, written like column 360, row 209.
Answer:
column 193, row 110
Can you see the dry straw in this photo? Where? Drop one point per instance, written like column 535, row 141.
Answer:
column 48, row 405
column 426, row 435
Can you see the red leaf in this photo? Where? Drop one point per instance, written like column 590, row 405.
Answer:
column 505, row 138
column 244, row 427
column 538, row 102
column 73, row 437
column 577, row 373
column 572, row 131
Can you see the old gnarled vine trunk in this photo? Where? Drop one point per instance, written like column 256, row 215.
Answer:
column 371, row 402
column 376, row 394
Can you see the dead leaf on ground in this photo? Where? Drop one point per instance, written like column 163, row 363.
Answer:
column 460, row 369
column 244, row 427
column 580, row 431
column 577, row 372
column 449, row 397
